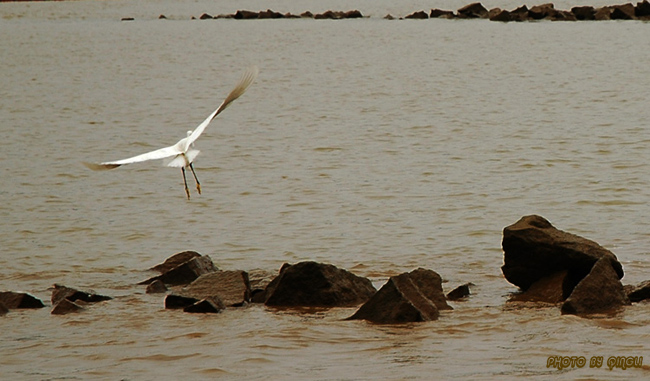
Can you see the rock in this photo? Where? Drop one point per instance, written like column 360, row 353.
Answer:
column 269, row 14
column 471, row 11
column 259, row 280
column 534, row 249
column 389, row 17
column 127, row 19
column 600, row 291
column 60, row 293
column 329, row 15
column 173, row 302
column 639, row 292
column 519, row 14
column 497, row 14
column 307, row 15
column 312, row 284
column 3, row 309
column 429, row 283
column 459, row 292
column 186, row 272
column 162, row 17
column 208, row 305
column 623, row 12
column 245, row 15
column 66, row 306
column 206, row 16
column 175, row 260
column 539, row 12
column 354, row 14
column 584, row 13
column 15, row 300
column 156, row 287
column 603, row 14
column 231, row 287
column 545, row 290
column 642, row 10
column 420, row 15
column 405, row 298
column 439, row 13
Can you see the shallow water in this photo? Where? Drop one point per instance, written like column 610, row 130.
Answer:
column 378, row 146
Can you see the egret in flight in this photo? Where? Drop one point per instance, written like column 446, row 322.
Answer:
column 182, row 154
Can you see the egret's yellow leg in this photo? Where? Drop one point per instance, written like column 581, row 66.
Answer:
column 187, row 190
column 198, row 184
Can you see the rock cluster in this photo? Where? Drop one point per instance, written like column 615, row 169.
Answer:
column 553, row 266
column 548, row 265
column 269, row 14
column 547, row 11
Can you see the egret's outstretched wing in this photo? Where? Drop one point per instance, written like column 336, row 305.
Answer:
column 153, row 155
column 247, row 78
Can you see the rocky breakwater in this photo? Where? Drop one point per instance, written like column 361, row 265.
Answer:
column 555, row 267
column 547, row 11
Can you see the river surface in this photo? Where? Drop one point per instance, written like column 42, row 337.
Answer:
column 377, row 146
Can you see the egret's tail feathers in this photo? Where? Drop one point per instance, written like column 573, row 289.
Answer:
column 100, row 167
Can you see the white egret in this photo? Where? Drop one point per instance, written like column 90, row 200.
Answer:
column 182, row 154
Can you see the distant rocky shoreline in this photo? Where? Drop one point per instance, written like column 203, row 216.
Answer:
column 551, row 268
column 547, row 11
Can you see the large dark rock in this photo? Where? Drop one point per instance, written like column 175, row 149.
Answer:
column 584, row 13
column 639, row 292
column 419, row 15
column 312, row 284
column 245, row 15
column 539, row 12
column 534, row 249
column 14, row 300
column 600, row 291
column 3, row 309
column 623, row 12
column 471, row 11
column 269, row 14
column 409, row 297
column 60, row 293
column 642, row 10
column 186, row 272
column 231, row 287
column 440, row 13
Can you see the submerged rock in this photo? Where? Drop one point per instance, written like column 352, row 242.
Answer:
column 66, row 306
column 639, row 292
column 231, row 287
column 600, row 291
column 185, row 272
column 410, row 297
column 459, row 292
column 156, row 287
column 17, row 300
column 211, row 304
column 175, row 260
column 60, row 292
column 312, row 284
